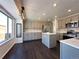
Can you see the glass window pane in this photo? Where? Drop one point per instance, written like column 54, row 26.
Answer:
column 3, row 26
column 10, row 27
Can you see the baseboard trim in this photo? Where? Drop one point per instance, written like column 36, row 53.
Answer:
column 32, row 40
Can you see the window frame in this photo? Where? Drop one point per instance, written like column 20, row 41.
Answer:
column 8, row 25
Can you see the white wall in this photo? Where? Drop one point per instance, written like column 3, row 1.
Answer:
column 10, row 6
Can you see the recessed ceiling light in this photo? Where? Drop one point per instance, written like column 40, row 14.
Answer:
column 69, row 10
column 54, row 4
column 44, row 14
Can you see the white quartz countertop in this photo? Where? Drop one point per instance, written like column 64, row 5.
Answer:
column 48, row 33
column 74, row 42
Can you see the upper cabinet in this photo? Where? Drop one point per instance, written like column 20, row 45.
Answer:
column 69, row 22
column 61, row 24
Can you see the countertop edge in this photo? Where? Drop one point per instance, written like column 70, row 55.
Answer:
column 74, row 46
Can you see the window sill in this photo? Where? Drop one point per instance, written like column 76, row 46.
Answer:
column 3, row 42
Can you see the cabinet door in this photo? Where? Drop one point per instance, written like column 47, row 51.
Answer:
column 59, row 24
column 63, row 23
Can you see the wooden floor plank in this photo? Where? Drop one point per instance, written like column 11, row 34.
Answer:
column 32, row 50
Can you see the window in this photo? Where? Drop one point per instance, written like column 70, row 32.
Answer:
column 5, row 27
column 10, row 27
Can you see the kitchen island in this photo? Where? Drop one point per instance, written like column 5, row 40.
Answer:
column 69, row 49
column 49, row 39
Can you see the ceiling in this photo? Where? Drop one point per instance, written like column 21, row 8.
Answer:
column 44, row 9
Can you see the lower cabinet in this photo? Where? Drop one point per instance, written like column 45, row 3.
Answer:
column 32, row 36
column 68, row 52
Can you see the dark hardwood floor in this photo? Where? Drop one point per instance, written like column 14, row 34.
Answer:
column 32, row 50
